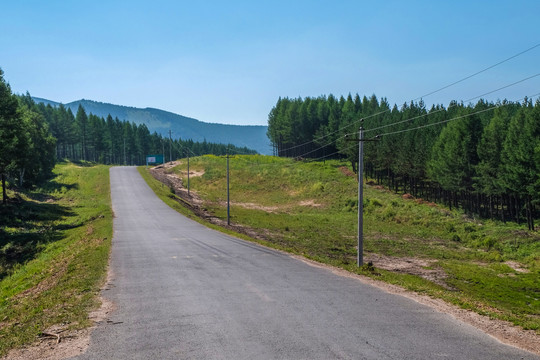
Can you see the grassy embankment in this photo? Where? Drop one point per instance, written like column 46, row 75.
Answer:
column 311, row 209
column 54, row 249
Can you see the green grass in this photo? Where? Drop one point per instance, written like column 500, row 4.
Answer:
column 54, row 249
column 310, row 208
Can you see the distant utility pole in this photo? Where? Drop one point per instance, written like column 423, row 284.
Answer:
column 163, row 149
column 228, row 192
column 228, row 197
column 187, row 151
column 170, row 144
column 360, row 251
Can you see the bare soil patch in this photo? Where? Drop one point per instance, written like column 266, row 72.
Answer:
column 346, row 171
column 418, row 200
column 310, row 203
column 409, row 265
column 168, row 165
column 72, row 344
column 196, row 173
column 253, row 206
column 517, row 267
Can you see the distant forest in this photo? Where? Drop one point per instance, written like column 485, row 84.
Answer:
column 33, row 137
column 111, row 141
column 483, row 157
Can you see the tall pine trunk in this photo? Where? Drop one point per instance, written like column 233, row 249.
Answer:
column 4, row 192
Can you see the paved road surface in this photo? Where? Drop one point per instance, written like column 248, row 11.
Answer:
column 187, row 292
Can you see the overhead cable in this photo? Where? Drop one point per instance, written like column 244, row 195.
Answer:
column 456, row 118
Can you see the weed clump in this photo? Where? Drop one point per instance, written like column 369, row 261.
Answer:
column 317, row 187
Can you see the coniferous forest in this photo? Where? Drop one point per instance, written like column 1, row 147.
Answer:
column 34, row 136
column 483, row 157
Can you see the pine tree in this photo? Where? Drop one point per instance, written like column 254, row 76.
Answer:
column 13, row 139
column 38, row 160
column 521, row 172
column 454, row 155
column 489, row 153
column 82, row 126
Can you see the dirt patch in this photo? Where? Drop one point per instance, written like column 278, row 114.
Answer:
column 169, row 165
column 196, row 173
column 48, row 348
column 503, row 331
column 409, row 265
column 418, row 200
column 346, row 171
column 253, row 206
column 517, row 267
column 310, row 203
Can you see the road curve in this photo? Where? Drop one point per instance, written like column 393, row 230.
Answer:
column 184, row 291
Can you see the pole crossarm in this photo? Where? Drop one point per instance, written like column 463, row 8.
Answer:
column 376, row 138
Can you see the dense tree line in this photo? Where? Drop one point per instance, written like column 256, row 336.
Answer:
column 483, row 157
column 26, row 145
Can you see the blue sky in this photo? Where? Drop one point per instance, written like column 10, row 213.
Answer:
column 229, row 61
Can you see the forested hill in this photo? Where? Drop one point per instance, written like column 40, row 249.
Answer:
column 250, row 136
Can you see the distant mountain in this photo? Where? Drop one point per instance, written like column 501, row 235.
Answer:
column 251, row 136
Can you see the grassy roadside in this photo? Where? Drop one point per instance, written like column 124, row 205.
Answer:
column 54, row 250
column 310, row 209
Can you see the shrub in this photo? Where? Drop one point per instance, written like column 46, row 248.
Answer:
column 375, row 203
column 317, row 187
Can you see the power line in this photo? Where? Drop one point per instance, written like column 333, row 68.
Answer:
column 466, row 101
column 479, row 72
column 504, row 87
column 456, row 118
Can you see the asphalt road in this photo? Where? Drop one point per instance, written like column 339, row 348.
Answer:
column 183, row 291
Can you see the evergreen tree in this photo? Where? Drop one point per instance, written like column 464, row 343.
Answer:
column 82, row 124
column 13, row 139
column 489, row 153
column 454, row 155
column 38, row 160
column 521, row 170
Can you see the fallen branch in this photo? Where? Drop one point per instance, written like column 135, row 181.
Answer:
column 47, row 334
